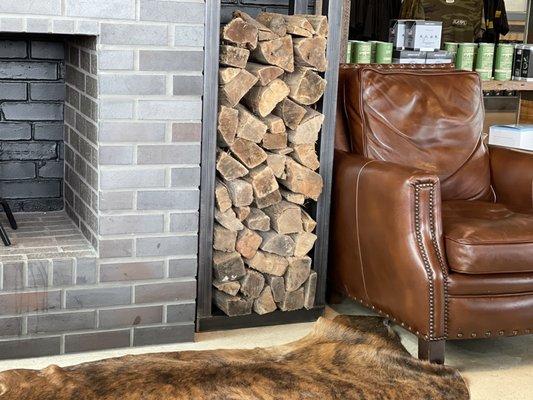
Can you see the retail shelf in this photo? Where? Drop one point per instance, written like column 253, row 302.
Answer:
column 508, row 85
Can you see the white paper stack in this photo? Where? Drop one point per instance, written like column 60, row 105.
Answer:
column 516, row 136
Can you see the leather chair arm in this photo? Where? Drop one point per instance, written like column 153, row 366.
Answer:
column 388, row 227
column 512, row 177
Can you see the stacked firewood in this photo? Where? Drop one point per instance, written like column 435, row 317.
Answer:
column 267, row 162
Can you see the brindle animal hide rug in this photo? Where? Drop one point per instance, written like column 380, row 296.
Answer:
column 347, row 358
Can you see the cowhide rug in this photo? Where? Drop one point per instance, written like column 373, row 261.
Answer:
column 347, row 358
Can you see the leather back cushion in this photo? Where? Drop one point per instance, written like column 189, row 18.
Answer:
column 430, row 119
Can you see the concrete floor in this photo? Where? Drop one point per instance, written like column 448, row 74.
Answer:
column 494, row 369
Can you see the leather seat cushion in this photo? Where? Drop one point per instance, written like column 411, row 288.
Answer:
column 487, row 238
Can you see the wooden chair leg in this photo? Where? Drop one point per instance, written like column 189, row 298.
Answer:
column 432, row 351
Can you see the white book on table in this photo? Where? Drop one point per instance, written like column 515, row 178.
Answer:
column 516, row 136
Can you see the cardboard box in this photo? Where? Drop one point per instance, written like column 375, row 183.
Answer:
column 439, row 57
column 515, row 136
column 397, row 33
column 408, row 57
column 423, row 35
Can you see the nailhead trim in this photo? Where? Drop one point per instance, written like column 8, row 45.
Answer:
column 440, row 258
column 423, row 253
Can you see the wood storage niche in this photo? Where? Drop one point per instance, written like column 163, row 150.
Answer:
column 271, row 78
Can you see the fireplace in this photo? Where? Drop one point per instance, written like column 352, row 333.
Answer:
column 100, row 158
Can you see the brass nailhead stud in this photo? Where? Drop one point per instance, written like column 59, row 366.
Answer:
column 515, row 332
column 501, row 333
column 459, row 335
column 473, row 335
column 487, row 333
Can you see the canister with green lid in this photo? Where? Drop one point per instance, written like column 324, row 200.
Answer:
column 373, row 46
column 484, row 60
column 349, row 51
column 361, row 52
column 503, row 62
column 451, row 47
column 464, row 59
column 384, row 53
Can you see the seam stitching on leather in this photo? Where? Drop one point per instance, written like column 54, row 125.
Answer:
column 357, row 222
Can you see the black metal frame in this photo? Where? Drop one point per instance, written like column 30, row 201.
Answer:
column 3, row 233
column 206, row 317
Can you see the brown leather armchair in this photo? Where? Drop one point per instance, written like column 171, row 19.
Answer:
column 429, row 227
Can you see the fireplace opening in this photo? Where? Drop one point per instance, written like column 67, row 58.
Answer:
column 48, row 144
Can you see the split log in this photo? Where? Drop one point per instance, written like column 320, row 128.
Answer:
column 240, row 33
column 275, row 125
column 278, row 52
column 228, row 120
column 308, row 129
column 232, row 92
column 264, row 73
column 290, row 112
column 250, row 127
column 257, row 220
column 268, row 200
column 297, row 273
column 232, row 56
column 296, row 198
column 229, row 168
column 228, row 220
column 285, row 217
column 227, row 266
column 264, row 33
column 276, row 141
column 263, row 99
column 308, row 223
column 311, row 52
column 306, row 155
column 319, row 24
column 304, row 242
column 231, row 288
column 268, row 263
column 233, row 305
column 248, row 243
column 282, row 245
column 277, row 285
column 276, row 162
column 302, row 180
column 265, row 304
column 242, row 212
column 263, row 181
column 249, row 153
column 283, row 152
column 292, row 300
column 222, row 198
column 252, row 284
column 226, row 75
column 224, row 239
column 275, row 22
column 310, row 290
column 298, row 25
column 240, row 192
column 307, row 87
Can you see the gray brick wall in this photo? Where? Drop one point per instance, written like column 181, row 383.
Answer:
column 81, row 139
column 32, row 90
column 133, row 121
column 254, row 7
